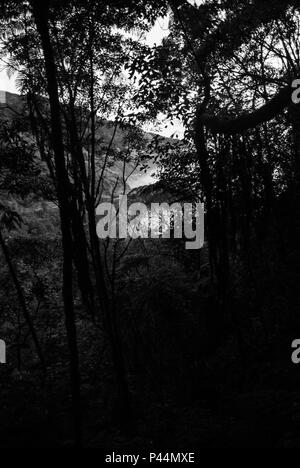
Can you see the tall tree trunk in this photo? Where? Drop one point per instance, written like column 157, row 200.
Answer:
column 294, row 218
column 294, row 115
column 102, row 290
column 40, row 12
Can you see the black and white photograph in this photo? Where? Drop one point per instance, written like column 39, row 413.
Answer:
column 150, row 227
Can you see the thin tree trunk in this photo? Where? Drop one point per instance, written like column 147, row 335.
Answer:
column 106, row 307
column 63, row 188
column 294, row 115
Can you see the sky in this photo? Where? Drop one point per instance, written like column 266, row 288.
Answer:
column 7, row 84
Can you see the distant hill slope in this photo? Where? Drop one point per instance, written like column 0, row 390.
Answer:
column 14, row 104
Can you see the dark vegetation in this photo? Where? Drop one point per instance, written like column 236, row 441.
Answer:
column 135, row 344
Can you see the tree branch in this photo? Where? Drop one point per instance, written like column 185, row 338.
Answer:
column 244, row 122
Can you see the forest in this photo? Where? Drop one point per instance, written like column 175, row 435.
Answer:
column 137, row 343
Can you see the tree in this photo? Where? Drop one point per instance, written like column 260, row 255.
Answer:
column 226, row 71
column 77, row 89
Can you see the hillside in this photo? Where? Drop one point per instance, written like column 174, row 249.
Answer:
column 111, row 139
